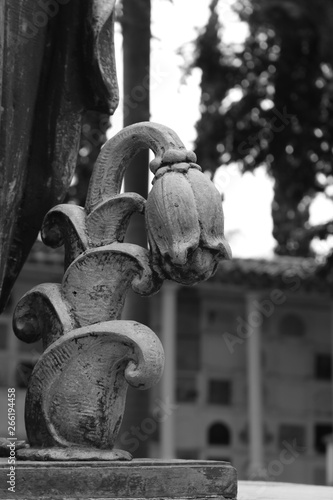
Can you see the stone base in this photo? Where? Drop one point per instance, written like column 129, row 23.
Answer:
column 148, row 479
column 72, row 454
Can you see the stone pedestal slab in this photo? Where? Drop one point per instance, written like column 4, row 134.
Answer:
column 149, row 479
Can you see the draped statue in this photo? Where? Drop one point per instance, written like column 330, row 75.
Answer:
column 56, row 62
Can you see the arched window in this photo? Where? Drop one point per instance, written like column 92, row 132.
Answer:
column 219, row 434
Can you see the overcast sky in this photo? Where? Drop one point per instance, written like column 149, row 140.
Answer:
column 247, row 199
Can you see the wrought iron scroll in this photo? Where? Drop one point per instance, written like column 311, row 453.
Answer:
column 76, row 395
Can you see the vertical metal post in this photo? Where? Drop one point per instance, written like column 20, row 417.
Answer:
column 255, row 404
column 168, row 320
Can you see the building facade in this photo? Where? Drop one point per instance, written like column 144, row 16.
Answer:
column 253, row 379
column 248, row 375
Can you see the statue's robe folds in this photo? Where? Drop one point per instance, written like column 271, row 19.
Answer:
column 56, row 62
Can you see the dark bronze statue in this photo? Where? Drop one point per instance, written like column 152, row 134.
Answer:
column 56, row 62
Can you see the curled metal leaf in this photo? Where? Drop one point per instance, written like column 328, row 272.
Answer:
column 42, row 314
column 108, row 221
column 77, row 390
column 96, row 283
column 66, row 224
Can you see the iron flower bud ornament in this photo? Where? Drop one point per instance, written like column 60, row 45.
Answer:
column 184, row 219
column 76, row 395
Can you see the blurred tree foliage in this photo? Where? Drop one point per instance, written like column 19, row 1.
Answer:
column 269, row 102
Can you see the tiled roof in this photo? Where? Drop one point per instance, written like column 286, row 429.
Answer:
column 286, row 273
column 293, row 273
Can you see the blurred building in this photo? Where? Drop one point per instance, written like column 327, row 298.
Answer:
column 17, row 358
column 253, row 379
column 249, row 367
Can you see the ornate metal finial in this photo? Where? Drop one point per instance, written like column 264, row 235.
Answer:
column 76, row 395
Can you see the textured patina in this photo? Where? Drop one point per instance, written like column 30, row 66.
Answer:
column 56, row 62
column 76, row 395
